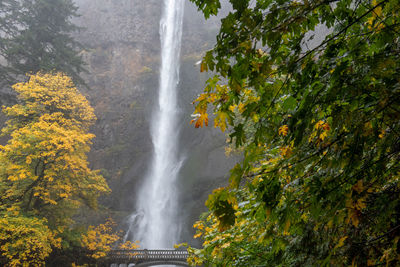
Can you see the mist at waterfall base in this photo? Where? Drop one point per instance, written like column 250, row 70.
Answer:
column 154, row 223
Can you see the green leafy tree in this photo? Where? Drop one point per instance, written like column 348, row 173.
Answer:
column 319, row 127
column 36, row 36
column 44, row 173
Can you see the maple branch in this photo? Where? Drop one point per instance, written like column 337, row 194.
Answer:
column 341, row 31
column 379, row 237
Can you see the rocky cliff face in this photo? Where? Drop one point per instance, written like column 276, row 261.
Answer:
column 123, row 58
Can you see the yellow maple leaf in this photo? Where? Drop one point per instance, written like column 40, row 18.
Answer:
column 220, row 120
column 341, row 242
column 283, row 130
column 358, row 187
column 200, row 120
column 225, row 245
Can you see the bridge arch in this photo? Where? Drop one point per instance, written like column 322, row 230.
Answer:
column 147, row 264
column 153, row 263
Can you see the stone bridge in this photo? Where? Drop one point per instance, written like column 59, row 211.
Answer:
column 146, row 257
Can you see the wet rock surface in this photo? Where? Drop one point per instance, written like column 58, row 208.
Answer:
column 123, row 58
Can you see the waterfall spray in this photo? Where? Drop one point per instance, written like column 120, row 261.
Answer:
column 154, row 223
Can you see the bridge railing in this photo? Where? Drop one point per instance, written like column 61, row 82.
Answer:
column 148, row 254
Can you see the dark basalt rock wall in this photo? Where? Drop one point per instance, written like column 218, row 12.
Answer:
column 123, row 59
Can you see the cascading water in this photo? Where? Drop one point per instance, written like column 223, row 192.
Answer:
column 154, row 223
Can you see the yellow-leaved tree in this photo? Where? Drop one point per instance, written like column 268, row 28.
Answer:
column 99, row 240
column 44, row 173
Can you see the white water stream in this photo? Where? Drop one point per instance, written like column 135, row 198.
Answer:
column 155, row 222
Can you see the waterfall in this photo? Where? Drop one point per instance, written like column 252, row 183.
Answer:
column 155, row 222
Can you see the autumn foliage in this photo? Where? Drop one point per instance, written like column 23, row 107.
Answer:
column 100, row 239
column 26, row 240
column 309, row 91
column 44, row 173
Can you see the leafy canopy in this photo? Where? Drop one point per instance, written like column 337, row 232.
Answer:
column 100, row 239
column 318, row 122
column 44, row 173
